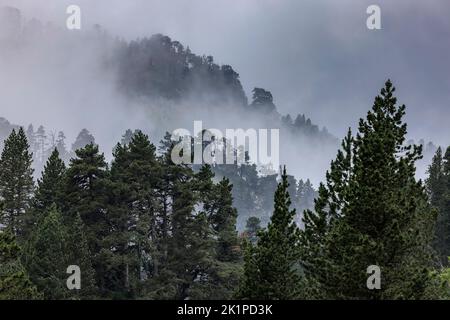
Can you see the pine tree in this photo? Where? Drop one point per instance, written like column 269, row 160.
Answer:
column 317, row 223
column 435, row 180
column 224, row 222
column 122, row 263
column 293, row 190
column 83, row 139
column 78, row 254
column 14, row 281
column 160, row 284
column 371, row 211
column 205, row 188
column 305, row 199
column 48, row 191
column 46, row 257
column 228, row 266
column 61, row 146
column 189, row 252
column 40, row 146
column 437, row 187
column 85, row 194
column 16, row 182
column 266, row 188
column 262, row 101
column 447, row 175
column 271, row 267
column 187, row 244
column 30, row 136
column 134, row 212
column 127, row 136
column 445, row 209
column 216, row 203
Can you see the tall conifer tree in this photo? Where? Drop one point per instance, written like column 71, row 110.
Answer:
column 49, row 186
column 134, row 213
column 47, row 193
column 438, row 191
column 46, row 257
column 86, row 186
column 371, row 211
column 16, row 182
column 271, row 267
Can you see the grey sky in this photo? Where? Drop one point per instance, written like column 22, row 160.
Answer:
column 317, row 57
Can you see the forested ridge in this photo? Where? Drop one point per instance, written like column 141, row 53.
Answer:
column 142, row 227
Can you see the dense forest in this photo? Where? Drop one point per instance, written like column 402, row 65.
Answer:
column 139, row 226
column 142, row 227
column 252, row 191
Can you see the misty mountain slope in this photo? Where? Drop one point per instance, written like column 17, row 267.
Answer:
column 159, row 67
column 69, row 80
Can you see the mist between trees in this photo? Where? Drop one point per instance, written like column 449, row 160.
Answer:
column 144, row 227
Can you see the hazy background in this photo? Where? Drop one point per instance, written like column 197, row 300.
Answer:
column 315, row 56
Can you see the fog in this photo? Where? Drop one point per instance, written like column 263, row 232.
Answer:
column 316, row 57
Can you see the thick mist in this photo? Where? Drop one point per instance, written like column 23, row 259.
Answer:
column 66, row 81
column 316, row 57
column 304, row 53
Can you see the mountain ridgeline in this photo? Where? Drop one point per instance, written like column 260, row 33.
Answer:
column 163, row 84
column 156, row 79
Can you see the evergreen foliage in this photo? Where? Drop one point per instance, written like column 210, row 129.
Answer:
column 271, row 266
column 14, row 281
column 16, row 182
column 371, row 211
